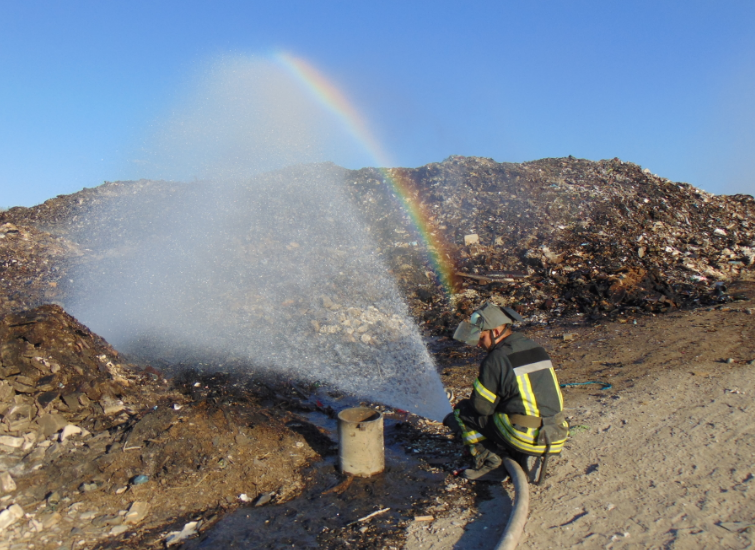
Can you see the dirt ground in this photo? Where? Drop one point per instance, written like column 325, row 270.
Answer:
column 663, row 459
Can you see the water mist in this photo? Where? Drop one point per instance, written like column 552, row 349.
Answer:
column 264, row 262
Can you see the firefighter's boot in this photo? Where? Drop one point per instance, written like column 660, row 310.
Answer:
column 485, row 462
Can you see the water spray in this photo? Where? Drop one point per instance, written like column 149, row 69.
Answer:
column 272, row 272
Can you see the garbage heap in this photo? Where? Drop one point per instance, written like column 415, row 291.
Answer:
column 560, row 236
column 32, row 263
column 552, row 237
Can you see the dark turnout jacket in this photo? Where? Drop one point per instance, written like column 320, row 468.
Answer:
column 517, row 378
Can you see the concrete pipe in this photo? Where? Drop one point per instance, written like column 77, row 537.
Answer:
column 518, row 517
column 360, row 442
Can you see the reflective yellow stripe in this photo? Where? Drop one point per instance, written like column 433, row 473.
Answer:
column 483, row 391
column 469, row 437
column 528, row 396
column 558, row 389
column 530, row 436
column 516, row 438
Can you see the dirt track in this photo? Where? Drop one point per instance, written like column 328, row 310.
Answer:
column 664, row 459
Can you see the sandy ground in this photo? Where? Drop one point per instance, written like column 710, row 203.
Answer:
column 670, row 465
column 663, row 459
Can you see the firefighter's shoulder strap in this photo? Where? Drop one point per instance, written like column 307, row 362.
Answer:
column 532, row 422
column 552, row 425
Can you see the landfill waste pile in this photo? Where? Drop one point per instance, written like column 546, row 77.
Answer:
column 32, row 263
column 563, row 236
column 276, row 273
column 551, row 237
column 92, row 448
column 48, row 357
column 108, row 454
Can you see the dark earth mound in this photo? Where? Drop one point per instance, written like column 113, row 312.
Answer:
column 91, row 447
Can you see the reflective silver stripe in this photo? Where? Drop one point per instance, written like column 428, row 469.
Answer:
column 533, row 367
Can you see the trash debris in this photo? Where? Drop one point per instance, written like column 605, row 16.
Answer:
column 138, row 480
column 735, row 526
column 189, row 530
column 10, row 515
column 493, row 277
column 7, row 485
column 369, row 516
column 87, row 487
column 70, row 430
column 264, row 498
column 11, row 442
column 604, row 385
column 341, row 487
column 136, row 513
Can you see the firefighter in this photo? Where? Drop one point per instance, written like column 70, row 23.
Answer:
column 516, row 406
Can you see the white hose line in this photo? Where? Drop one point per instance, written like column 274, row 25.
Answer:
column 518, row 517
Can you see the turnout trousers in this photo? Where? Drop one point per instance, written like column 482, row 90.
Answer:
column 480, row 430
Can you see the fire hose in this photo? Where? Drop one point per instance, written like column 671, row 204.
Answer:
column 518, row 518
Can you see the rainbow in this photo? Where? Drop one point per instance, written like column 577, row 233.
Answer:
column 336, row 102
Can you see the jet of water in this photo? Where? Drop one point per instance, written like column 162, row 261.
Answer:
column 275, row 270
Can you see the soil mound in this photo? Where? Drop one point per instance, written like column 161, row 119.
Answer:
column 54, row 371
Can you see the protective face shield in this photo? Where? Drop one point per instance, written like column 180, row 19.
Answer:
column 486, row 318
column 468, row 333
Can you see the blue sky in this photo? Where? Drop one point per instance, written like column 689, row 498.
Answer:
column 85, row 87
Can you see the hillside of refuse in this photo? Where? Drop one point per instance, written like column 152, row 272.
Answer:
column 551, row 237
column 596, row 238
